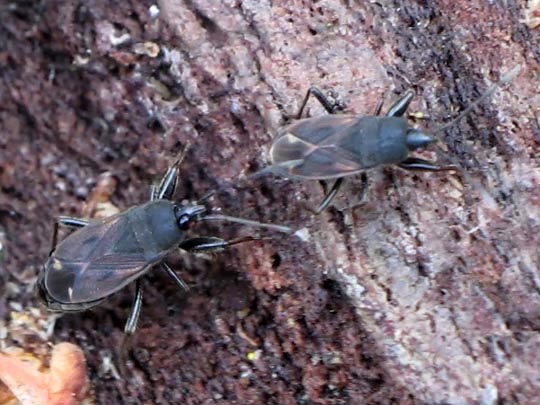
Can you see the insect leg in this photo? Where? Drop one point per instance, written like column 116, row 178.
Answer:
column 68, row 222
column 329, row 196
column 379, row 107
column 153, row 192
column 131, row 323
column 413, row 163
column 71, row 222
column 321, row 98
column 400, row 106
column 167, row 185
column 362, row 195
column 210, row 243
column 175, row 277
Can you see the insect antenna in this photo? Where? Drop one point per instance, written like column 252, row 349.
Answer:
column 243, row 221
column 508, row 77
column 249, row 222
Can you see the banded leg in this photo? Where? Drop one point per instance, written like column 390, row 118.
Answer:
column 329, row 197
column 414, row 163
column 167, row 185
column 379, row 107
column 179, row 282
column 68, row 222
column 400, row 106
column 362, row 195
column 131, row 325
column 321, row 98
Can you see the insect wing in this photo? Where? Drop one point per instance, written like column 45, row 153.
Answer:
column 96, row 261
column 311, row 148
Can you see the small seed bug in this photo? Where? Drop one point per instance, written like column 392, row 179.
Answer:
column 103, row 256
column 337, row 146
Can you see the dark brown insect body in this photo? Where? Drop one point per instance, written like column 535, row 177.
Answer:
column 101, row 257
column 104, row 256
column 336, row 146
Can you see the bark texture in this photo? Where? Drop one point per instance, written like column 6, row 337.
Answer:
column 427, row 293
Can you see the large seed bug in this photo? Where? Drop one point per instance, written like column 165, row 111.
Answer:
column 103, row 256
column 337, row 146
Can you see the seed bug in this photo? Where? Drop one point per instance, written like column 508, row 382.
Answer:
column 103, row 256
column 337, row 146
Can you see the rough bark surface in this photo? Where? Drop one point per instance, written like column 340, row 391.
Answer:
column 428, row 293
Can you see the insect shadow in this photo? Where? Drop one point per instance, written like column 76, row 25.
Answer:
column 337, row 146
column 103, row 256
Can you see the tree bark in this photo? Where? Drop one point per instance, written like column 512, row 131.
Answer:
column 426, row 293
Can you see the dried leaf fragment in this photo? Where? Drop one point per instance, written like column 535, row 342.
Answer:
column 98, row 204
column 23, row 379
column 532, row 14
column 65, row 383
column 67, row 379
column 147, row 48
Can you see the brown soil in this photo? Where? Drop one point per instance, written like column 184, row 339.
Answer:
column 428, row 294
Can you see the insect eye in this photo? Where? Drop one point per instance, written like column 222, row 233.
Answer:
column 184, row 222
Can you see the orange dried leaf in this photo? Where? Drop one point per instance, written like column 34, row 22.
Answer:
column 66, row 382
column 23, row 380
